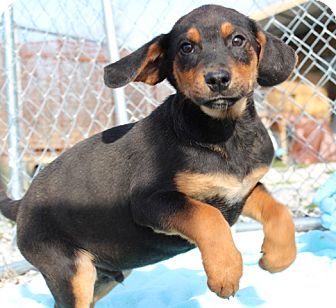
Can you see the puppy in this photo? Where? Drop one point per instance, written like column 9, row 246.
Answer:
column 144, row 192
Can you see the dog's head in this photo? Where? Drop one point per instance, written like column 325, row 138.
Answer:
column 214, row 56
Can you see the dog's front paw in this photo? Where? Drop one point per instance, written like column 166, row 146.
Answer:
column 224, row 276
column 277, row 255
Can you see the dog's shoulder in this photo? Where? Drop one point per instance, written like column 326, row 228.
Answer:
column 113, row 134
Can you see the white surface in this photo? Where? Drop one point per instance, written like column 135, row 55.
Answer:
column 331, row 4
column 4, row 4
column 181, row 282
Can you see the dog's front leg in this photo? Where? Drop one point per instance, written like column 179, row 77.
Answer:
column 203, row 225
column 279, row 249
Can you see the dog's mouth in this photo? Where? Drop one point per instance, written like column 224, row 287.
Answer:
column 221, row 103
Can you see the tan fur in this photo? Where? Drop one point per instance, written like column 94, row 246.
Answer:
column 279, row 250
column 191, row 82
column 152, row 78
column 144, row 74
column 193, row 35
column 83, row 280
column 245, row 75
column 261, row 38
column 200, row 186
column 206, row 226
column 227, row 29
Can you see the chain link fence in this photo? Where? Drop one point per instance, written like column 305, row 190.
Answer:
column 52, row 93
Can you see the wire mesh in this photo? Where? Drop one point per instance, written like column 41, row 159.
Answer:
column 61, row 49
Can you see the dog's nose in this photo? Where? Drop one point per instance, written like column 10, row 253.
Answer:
column 218, row 81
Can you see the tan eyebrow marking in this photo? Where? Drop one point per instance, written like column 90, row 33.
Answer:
column 227, row 29
column 199, row 186
column 194, row 35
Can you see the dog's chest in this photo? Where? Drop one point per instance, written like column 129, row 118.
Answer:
column 218, row 189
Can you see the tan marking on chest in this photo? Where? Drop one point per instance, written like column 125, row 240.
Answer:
column 228, row 186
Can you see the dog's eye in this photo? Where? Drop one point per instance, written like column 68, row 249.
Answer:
column 238, row 40
column 187, row 48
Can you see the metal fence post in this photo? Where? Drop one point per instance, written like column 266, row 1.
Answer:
column 14, row 153
column 118, row 94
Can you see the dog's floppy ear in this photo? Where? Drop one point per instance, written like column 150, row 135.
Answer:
column 146, row 64
column 276, row 59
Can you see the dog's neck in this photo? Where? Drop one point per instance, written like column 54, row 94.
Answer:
column 192, row 125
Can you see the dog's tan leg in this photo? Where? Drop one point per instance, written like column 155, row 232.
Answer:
column 73, row 284
column 279, row 250
column 205, row 225
column 83, row 281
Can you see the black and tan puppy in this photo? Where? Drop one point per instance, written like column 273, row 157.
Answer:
column 144, row 192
